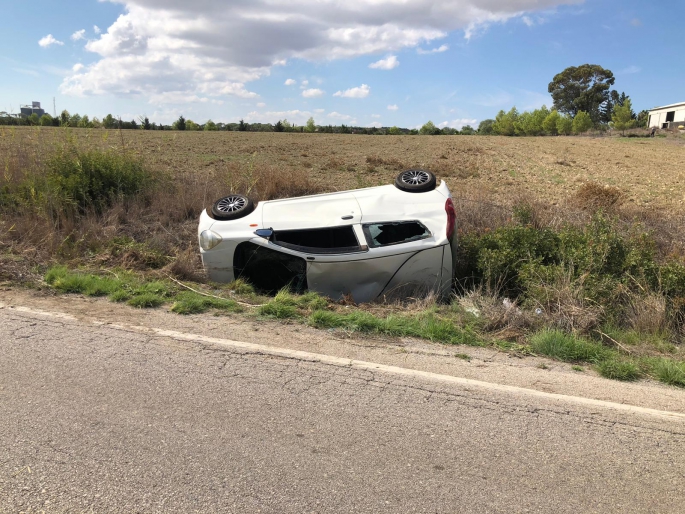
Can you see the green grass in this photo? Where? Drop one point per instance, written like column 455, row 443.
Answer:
column 193, row 303
column 567, row 347
column 619, row 370
column 426, row 326
column 146, row 300
column 669, row 372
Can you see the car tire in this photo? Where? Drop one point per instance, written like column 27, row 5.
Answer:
column 415, row 181
column 232, row 207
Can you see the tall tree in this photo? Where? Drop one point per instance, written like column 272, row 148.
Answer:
column 310, row 126
column 581, row 88
column 622, row 118
column 180, row 123
column 242, row 126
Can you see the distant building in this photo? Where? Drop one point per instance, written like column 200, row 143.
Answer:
column 668, row 116
column 34, row 108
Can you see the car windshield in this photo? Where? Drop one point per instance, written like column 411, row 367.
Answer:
column 392, row 233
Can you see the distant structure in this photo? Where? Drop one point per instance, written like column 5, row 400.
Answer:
column 28, row 110
column 668, row 116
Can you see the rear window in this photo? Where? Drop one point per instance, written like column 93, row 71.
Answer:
column 320, row 240
column 393, row 233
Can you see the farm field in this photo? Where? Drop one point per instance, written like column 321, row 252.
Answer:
column 650, row 172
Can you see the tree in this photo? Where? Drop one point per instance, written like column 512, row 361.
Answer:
column 191, row 125
column 467, row 130
column 46, row 120
column 505, row 123
column 146, row 124
column 565, row 125
column 550, row 123
column 180, row 123
column 581, row 88
column 84, row 122
column 278, row 127
column 108, row 121
column 622, row 118
column 394, row 131
column 310, row 126
column 74, row 120
column 64, row 118
column 429, row 129
column 582, row 122
column 485, row 127
column 242, row 126
column 210, row 126
column 642, row 119
column 33, row 119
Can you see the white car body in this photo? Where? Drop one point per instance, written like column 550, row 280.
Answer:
column 373, row 267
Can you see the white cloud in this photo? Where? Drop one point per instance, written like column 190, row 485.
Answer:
column 376, row 124
column 461, row 122
column 77, row 67
column 312, row 93
column 375, row 115
column 385, row 64
column 48, row 41
column 160, row 46
column 440, row 49
column 96, row 29
column 79, row 34
column 290, row 82
column 293, row 116
column 392, row 107
column 319, row 110
column 355, row 92
column 304, row 84
column 529, row 22
column 261, row 104
column 342, row 117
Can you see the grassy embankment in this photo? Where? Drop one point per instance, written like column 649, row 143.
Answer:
column 593, row 274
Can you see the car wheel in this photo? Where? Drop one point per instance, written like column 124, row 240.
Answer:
column 232, row 207
column 415, row 181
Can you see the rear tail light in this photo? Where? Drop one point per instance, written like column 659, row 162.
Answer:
column 451, row 218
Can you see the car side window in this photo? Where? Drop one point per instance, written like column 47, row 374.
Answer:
column 394, row 232
column 328, row 240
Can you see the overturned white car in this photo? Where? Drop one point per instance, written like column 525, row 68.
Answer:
column 387, row 241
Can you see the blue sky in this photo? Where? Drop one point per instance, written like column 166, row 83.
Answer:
column 358, row 62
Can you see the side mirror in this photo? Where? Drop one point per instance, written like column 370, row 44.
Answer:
column 266, row 233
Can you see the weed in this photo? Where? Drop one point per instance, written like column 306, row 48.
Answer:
column 189, row 302
column 426, row 326
column 462, row 356
column 567, row 347
column 146, row 300
column 577, row 368
column 669, row 372
column 618, row 369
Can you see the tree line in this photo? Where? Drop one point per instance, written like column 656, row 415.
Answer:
column 583, row 99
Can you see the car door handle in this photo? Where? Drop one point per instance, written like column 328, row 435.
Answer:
column 348, row 217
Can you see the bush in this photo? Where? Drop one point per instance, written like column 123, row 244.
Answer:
column 76, row 182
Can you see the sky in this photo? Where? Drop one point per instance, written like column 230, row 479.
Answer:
column 358, row 62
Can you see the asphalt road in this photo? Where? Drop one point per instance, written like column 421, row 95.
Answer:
column 104, row 419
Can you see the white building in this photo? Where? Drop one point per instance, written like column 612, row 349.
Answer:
column 668, row 116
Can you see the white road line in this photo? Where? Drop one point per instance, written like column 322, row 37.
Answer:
column 359, row 365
